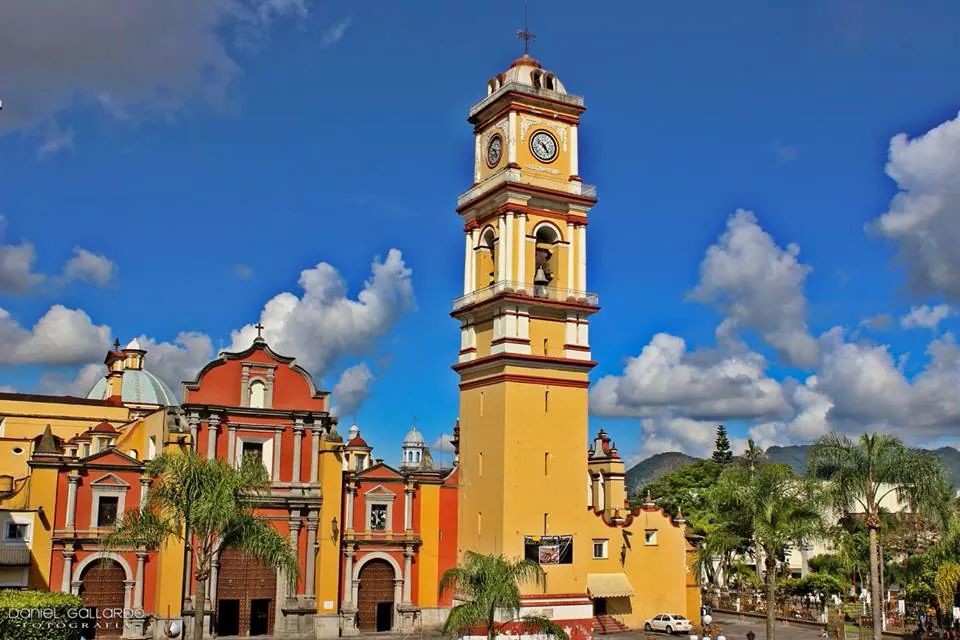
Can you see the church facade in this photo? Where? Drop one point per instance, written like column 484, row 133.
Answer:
column 373, row 539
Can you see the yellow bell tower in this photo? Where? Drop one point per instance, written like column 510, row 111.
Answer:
column 524, row 354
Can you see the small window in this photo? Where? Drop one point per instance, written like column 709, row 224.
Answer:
column 359, row 462
column 479, row 522
column 16, row 531
column 480, row 464
column 600, row 549
column 258, row 394
column 17, row 451
column 378, row 517
column 546, row 401
column 133, row 454
column 650, row 537
column 107, row 511
column 546, row 463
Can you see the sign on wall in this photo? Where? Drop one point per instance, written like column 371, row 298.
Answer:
column 548, row 549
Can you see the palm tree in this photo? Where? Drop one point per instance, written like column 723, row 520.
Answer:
column 489, row 586
column 752, row 454
column 781, row 510
column 208, row 506
column 861, row 474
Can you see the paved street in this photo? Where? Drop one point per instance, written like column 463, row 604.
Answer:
column 734, row 628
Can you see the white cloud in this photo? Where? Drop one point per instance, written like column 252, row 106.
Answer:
column 879, row 322
column 925, row 317
column 242, row 271
column 443, row 444
column 923, row 218
column 55, row 140
column 56, row 383
column 16, row 265
column 86, row 266
column 6, row 388
column 62, row 336
column 335, row 33
column 324, row 324
column 352, row 390
column 666, row 379
column 128, row 58
column 758, row 285
column 180, row 360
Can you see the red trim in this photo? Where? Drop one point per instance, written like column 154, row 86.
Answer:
column 528, row 188
column 515, row 297
column 515, row 377
column 511, row 341
column 576, row 347
column 578, row 364
column 507, row 207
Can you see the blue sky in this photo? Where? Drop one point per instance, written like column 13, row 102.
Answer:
column 172, row 168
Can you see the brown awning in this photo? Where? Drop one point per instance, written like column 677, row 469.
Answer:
column 609, row 585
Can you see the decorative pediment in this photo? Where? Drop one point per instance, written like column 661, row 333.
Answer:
column 110, row 481
column 380, row 492
column 112, row 456
column 382, row 470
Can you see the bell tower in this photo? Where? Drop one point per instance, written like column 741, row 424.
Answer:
column 524, row 353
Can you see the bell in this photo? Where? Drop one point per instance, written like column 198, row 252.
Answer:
column 540, row 278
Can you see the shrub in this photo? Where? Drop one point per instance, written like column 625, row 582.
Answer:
column 48, row 618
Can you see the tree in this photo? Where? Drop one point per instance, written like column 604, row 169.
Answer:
column 862, row 474
column 753, row 454
column 782, row 511
column 685, row 490
column 721, row 447
column 489, row 584
column 207, row 505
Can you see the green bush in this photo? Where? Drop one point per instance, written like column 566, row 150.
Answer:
column 47, row 618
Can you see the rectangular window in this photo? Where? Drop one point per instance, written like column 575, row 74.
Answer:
column 479, row 522
column 107, row 511
column 600, row 549
column 253, row 450
column 546, row 463
column 359, row 464
column 480, row 464
column 650, row 537
column 378, row 517
column 546, row 523
column 16, row 531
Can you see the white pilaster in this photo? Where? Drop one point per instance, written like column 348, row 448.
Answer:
column 512, row 137
column 501, row 248
column 467, row 263
column 347, row 600
column 582, row 251
column 67, row 571
column 138, row 588
column 571, row 256
column 194, row 420
column 408, row 508
column 348, row 525
column 276, row 456
column 407, row 574
column 297, row 445
column 128, row 593
column 144, row 490
column 294, row 522
column 231, row 442
column 522, row 248
column 315, row 453
column 476, row 159
column 213, row 425
column 311, row 577
column 511, row 247
column 574, row 152
column 474, row 239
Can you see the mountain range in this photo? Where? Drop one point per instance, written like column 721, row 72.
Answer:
column 649, row 469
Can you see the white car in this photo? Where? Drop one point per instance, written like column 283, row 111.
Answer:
column 669, row 622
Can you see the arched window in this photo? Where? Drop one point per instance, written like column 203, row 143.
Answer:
column 488, row 258
column 545, row 270
column 258, row 394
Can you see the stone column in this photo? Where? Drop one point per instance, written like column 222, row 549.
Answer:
column 571, row 257
column 522, row 249
column 397, row 595
column 510, row 247
column 582, row 233
column 245, row 385
column 138, row 588
column 351, row 490
column 574, row 152
column 294, row 522
column 276, row 456
column 408, row 508
column 467, row 262
column 347, row 598
column 144, row 489
column 194, row 420
column 355, row 591
column 214, row 579
column 231, row 442
column 213, row 425
column 407, row 574
column 474, row 239
column 128, row 593
column 268, row 395
column 67, row 571
column 501, row 248
column 73, row 480
column 297, row 444
column 315, row 453
column 312, row 524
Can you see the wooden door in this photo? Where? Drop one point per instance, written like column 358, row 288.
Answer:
column 101, row 589
column 376, row 588
column 246, row 580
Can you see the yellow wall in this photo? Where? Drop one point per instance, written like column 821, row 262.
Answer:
column 553, row 331
column 328, row 554
column 428, row 559
column 43, row 495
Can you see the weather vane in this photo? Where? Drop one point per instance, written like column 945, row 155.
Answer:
column 525, row 34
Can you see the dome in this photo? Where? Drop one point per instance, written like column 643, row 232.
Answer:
column 133, row 345
column 139, row 387
column 413, row 438
column 527, row 71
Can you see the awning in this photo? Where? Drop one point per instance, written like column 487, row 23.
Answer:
column 609, row 585
column 14, row 557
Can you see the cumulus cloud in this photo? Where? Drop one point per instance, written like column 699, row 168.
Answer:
column 242, row 271
column 55, row 140
column 16, row 265
column 923, row 218
column 126, row 58
column 666, row 379
column 352, row 390
column 443, row 444
column 324, row 324
column 758, row 286
column 61, row 336
column 879, row 322
column 925, row 317
column 57, row 383
column 180, row 360
column 86, row 266
column 335, row 33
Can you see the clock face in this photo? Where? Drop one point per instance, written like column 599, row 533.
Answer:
column 494, row 151
column 544, row 146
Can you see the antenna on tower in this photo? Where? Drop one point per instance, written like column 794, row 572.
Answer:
column 525, row 34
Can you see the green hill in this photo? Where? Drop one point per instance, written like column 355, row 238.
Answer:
column 655, row 466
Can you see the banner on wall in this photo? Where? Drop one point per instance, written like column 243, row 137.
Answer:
column 548, row 549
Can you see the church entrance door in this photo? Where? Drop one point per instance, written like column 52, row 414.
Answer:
column 247, row 589
column 102, row 591
column 375, row 606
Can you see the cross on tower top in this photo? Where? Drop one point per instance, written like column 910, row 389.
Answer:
column 259, row 328
column 525, row 34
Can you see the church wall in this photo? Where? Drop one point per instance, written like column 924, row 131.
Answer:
column 549, row 329
column 328, row 541
column 427, row 523
column 447, row 534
